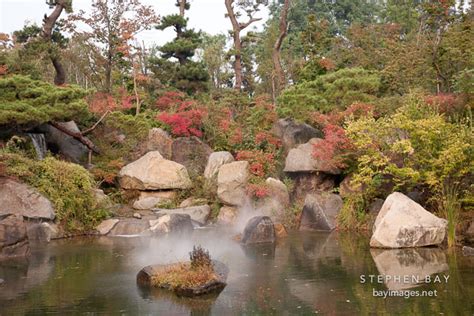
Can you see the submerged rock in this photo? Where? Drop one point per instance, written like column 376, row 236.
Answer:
column 259, row 229
column 198, row 214
column 320, row 211
column 215, row 161
column 153, row 172
column 147, row 278
column 404, row 223
column 42, row 232
column 231, row 183
column 14, row 241
column 23, row 200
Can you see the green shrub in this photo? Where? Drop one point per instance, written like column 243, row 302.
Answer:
column 415, row 147
column 68, row 186
column 331, row 91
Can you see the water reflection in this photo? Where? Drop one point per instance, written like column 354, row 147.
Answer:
column 305, row 273
column 410, row 265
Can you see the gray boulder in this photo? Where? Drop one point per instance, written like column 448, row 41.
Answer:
column 259, row 229
column 42, row 232
column 106, row 226
column 320, row 211
column 310, row 182
column 153, row 172
column 404, row 223
column 198, row 214
column 227, row 215
column 21, row 199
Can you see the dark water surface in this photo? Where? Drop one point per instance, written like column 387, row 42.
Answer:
column 305, row 274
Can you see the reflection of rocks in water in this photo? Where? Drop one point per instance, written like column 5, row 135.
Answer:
column 411, row 262
column 21, row 275
column 259, row 252
column 326, row 246
column 189, row 305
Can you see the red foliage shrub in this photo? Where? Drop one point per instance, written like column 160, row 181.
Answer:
column 101, row 102
column 185, row 123
column 257, row 190
column 261, row 163
column 444, row 102
column 334, row 147
column 337, row 118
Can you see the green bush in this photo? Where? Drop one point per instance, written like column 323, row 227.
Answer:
column 415, row 147
column 68, row 186
column 328, row 92
column 24, row 101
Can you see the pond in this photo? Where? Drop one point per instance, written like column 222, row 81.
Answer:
column 306, row 273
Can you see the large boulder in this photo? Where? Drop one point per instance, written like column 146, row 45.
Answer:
column 320, row 211
column 259, row 229
column 293, row 134
column 63, row 144
column 171, row 223
column 198, row 214
column 215, row 161
column 232, row 181
column 13, row 237
column 191, row 152
column 300, row 159
column 150, row 199
column 153, row 172
column 20, row 199
column 404, row 223
column 42, row 232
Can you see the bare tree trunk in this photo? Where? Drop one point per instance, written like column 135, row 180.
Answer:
column 182, row 7
column 47, row 33
column 236, row 29
column 278, row 79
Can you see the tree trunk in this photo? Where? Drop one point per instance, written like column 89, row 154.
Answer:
column 236, row 29
column 279, row 81
column 47, row 33
column 182, row 7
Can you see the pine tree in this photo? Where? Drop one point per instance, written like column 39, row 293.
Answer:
column 186, row 74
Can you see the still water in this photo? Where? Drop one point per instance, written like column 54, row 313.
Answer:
column 305, row 274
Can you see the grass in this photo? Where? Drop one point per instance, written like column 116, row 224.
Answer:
column 451, row 206
column 184, row 275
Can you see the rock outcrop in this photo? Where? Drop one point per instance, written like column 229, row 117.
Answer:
column 404, row 223
column 259, row 229
column 158, row 140
column 129, row 227
column 23, row 200
column 231, row 183
column 227, row 215
column 277, row 202
column 106, row 226
column 310, row 182
column 301, row 159
column 153, row 172
column 191, row 152
column 215, row 161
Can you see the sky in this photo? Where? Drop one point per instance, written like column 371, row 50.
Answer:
column 207, row 15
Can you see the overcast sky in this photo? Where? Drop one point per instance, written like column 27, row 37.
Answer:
column 207, row 15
